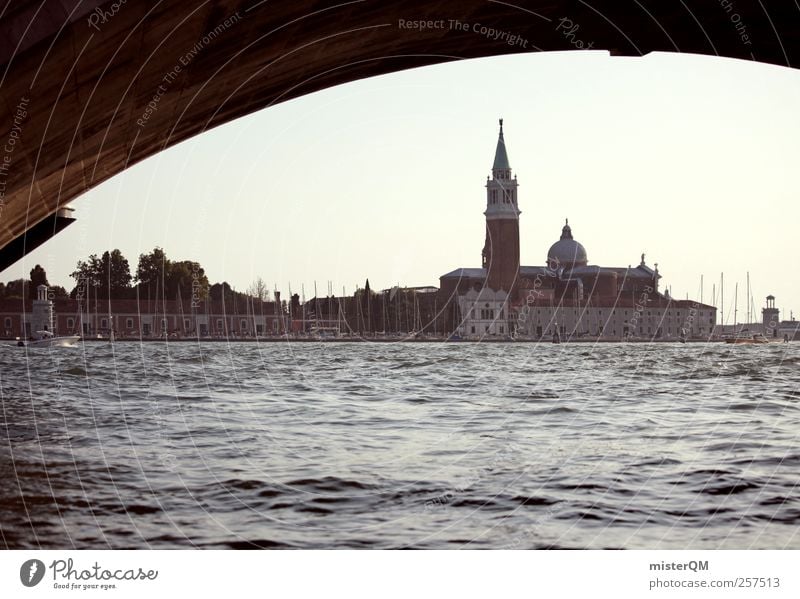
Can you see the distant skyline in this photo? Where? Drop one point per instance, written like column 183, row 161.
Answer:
column 691, row 160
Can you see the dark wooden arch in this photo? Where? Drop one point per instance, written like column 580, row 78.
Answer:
column 90, row 87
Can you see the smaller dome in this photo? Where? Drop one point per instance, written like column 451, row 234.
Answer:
column 566, row 251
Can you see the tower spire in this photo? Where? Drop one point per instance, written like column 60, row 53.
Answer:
column 500, row 155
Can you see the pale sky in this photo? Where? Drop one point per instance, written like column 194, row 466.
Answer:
column 692, row 160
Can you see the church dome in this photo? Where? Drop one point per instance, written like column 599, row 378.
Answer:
column 566, row 251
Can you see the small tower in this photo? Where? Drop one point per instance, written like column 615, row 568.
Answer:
column 770, row 316
column 501, row 249
column 42, row 312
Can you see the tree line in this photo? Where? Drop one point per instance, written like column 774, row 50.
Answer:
column 109, row 276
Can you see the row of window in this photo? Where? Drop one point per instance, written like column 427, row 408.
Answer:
column 613, row 333
column 129, row 323
column 614, row 313
column 667, row 321
column 187, row 324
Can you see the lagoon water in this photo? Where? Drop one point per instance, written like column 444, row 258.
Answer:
column 400, row 445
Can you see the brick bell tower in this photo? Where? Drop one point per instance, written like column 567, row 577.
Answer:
column 501, row 250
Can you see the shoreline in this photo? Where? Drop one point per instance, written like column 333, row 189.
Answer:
column 593, row 340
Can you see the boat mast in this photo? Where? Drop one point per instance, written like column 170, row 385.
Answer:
column 408, row 311
column 714, row 293
column 417, row 316
column 303, row 292
column 339, row 316
column 383, row 297
column 291, row 317
column 369, row 309
column 748, row 298
column 316, row 308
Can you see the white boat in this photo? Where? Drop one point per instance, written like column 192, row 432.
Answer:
column 47, row 339
column 745, row 338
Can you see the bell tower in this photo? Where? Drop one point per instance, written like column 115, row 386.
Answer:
column 501, row 249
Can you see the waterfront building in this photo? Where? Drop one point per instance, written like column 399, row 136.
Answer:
column 567, row 297
column 141, row 319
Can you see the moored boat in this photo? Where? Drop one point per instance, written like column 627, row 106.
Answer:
column 746, row 339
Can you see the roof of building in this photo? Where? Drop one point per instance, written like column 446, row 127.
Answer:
column 566, row 251
column 528, row 271
column 466, row 273
column 500, row 155
column 632, row 273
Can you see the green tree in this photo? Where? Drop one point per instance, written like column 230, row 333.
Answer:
column 187, row 280
column 221, row 292
column 86, row 275
column 38, row 277
column 58, row 292
column 110, row 275
column 115, row 273
column 157, row 274
column 151, row 271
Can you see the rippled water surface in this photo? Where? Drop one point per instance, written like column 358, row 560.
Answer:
column 424, row 445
